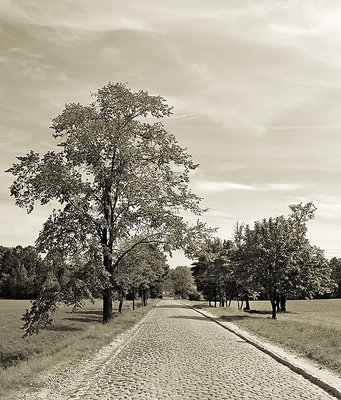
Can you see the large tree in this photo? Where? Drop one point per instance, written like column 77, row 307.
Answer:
column 121, row 180
column 182, row 281
column 212, row 269
column 141, row 270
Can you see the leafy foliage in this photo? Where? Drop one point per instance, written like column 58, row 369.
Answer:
column 143, row 268
column 335, row 265
column 212, row 271
column 273, row 258
column 121, row 181
column 182, row 281
column 279, row 257
column 19, row 272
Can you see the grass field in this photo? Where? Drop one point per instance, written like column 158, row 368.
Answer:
column 72, row 336
column 310, row 328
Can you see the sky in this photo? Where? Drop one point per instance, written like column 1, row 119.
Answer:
column 255, row 85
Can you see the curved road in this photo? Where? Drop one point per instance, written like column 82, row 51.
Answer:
column 179, row 354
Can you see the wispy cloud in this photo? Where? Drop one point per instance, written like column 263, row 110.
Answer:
column 255, row 87
column 283, row 186
column 222, row 186
column 336, row 207
column 219, row 214
column 231, row 186
column 82, row 16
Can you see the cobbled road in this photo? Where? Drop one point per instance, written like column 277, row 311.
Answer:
column 179, row 354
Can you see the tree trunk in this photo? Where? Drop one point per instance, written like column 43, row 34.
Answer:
column 274, row 308
column 144, row 298
column 133, row 298
column 107, row 294
column 273, row 300
column 247, row 303
column 277, row 303
column 283, row 302
column 120, row 305
column 107, row 305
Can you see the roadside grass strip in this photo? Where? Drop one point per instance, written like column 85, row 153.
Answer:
column 288, row 338
column 73, row 337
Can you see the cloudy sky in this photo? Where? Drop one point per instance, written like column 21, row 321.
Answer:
column 255, row 85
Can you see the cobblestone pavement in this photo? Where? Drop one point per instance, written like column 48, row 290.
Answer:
column 179, row 354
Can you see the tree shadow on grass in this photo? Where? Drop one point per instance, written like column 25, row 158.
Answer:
column 230, row 318
column 267, row 312
column 84, row 319
column 90, row 312
column 262, row 312
column 63, row 328
column 12, row 358
column 200, row 306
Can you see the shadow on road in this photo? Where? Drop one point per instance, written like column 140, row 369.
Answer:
column 172, row 306
column 202, row 318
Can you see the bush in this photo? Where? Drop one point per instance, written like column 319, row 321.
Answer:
column 194, row 296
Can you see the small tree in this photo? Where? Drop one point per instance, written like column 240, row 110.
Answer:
column 121, row 180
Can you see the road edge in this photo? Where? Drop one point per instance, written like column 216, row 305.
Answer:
column 73, row 375
column 296, row 364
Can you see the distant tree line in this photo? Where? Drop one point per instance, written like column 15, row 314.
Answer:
column 20, row 272
column 181, row 283
column 271, row 260
column 24, row 274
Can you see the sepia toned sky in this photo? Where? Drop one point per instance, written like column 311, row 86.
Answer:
column 255, row 85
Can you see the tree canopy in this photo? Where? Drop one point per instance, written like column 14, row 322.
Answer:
column 182, row 281
column 121, row 180
column 20, row 272
column 274, row 258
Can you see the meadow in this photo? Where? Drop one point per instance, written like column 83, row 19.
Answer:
column 309, row 328
column 73, row 336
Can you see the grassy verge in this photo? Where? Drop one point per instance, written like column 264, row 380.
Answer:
column 310, row 328
column 73, row 336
